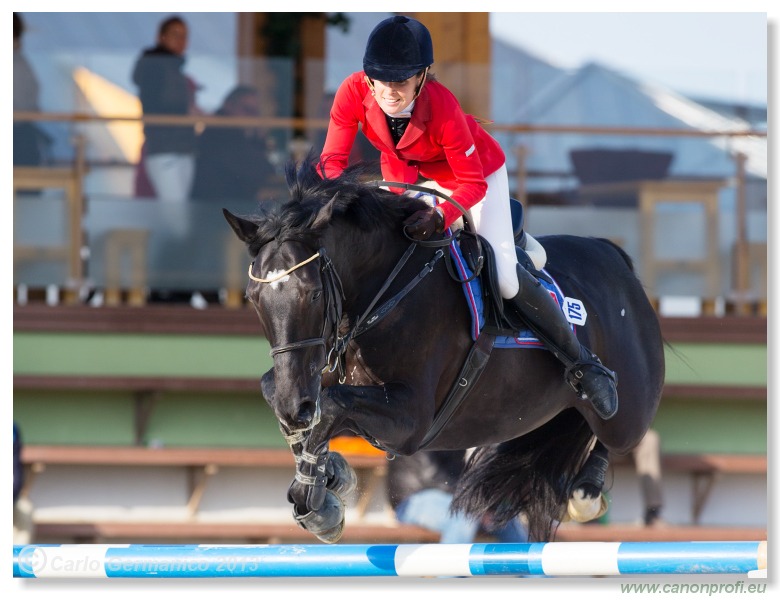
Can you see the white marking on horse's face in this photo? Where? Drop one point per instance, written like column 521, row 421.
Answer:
column 623, row 313
column 275, row 273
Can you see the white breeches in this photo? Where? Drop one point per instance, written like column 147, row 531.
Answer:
column 492, row 219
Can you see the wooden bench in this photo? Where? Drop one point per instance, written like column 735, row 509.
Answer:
column 276, row 533
column 596, row 532
column 705, row 469
column 245, row 532
column 204, row 463
column 756, row 393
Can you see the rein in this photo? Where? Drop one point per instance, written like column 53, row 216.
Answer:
column 446, row 240
column 369, row 319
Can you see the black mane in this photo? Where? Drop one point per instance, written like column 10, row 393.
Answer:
column 366, row 207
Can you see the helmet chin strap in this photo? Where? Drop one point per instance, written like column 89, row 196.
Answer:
column 422, row 82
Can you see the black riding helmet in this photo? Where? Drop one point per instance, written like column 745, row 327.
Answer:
column 398, row 48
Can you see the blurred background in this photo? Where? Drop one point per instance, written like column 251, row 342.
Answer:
column 137, row 360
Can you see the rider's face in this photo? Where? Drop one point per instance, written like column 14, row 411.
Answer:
column 394, row 96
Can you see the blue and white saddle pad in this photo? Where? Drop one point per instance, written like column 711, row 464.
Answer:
column 473, row 290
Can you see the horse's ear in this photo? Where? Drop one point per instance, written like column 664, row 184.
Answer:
column 324, row 214
column 245, row 230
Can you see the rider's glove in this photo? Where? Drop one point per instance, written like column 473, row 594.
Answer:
column 424, row 223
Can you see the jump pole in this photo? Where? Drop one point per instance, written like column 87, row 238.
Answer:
column 552, row 559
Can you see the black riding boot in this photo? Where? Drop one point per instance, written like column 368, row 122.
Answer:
column 584, row 372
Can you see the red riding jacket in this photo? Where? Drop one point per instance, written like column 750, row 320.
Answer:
column 441, row 142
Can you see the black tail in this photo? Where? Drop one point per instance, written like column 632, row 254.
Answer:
column 531, row 474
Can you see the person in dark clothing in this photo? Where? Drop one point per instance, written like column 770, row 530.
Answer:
column 232, row 162
column 23, row 508
column 647, row 460
column 31, row 143
column 18, row 469
column 164, row 89
column 420, row 488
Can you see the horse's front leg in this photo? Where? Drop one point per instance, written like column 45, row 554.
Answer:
column 323, row 478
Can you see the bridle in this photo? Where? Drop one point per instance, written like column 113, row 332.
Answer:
column 334, row 295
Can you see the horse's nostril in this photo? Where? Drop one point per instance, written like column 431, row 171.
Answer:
column 305, row 413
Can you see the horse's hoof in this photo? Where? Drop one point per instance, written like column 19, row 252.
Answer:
column 344, row 480
column 584, row 508
column 327, row 523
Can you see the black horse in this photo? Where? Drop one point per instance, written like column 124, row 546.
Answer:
column 370, row 333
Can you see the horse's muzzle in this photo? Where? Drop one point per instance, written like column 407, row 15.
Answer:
column 306, row 417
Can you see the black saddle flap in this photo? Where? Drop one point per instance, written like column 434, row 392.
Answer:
column 491, row 295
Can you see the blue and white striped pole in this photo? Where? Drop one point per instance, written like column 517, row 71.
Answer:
column 552, row 559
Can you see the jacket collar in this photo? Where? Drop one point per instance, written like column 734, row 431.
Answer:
column 375, row 116
column 420, row 116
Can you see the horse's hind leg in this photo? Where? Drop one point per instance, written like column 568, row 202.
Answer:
column 586, row 502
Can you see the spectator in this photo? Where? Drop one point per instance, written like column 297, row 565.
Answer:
column 18, row 469
column 164, row 89
column 31, row 143
column 420, row 489
column 23, row 523
column 232, row 162
column 647, row 460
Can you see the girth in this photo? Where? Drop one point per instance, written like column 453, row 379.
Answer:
column 473, row 366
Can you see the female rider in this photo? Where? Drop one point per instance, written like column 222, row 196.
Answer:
column 421, row 132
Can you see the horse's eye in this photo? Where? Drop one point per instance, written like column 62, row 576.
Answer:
column 316, row 295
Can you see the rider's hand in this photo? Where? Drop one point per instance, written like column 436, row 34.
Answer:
column 424, row 223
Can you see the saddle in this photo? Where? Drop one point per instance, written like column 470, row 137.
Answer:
column 480, row 259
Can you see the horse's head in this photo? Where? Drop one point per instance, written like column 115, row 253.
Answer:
column 293, row 283
column 286, row 290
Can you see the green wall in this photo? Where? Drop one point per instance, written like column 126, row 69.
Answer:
column 224, row 420
column 240, row 356
column 244, row 419
column 717, row 364
column 136, row 354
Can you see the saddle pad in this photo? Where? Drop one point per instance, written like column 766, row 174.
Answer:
column 524, row 338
